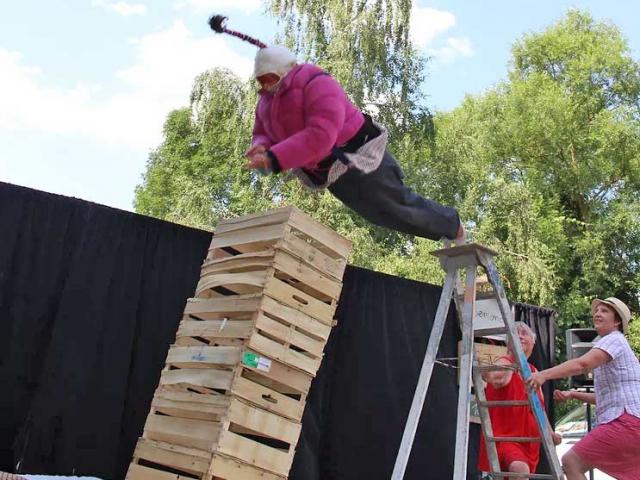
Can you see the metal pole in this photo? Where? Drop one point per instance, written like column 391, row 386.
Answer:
column 425, row 376
column 589, row 427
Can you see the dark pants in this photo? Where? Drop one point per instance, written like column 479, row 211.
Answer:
column 382, row 198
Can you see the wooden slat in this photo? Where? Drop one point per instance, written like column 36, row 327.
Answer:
column 294, row 317
column 332, row 243
column 215, row 328
column 190, row 342
column 264, row 423
column 244, row 282
column 268, row 399
column 191, row 405
column 254, row 453
column 174, row 456
column 195, row 356
column 288, row 334
column 219, row 308
column 139, row 472
column 271, row 217
column 183, row 431
column 239, row 263
column 308, row 253
column 292, row 379
column 321, row 286
column 284, row 353
column 284, row 293
column 231, row 469
column 250, row 239
column 210, row 378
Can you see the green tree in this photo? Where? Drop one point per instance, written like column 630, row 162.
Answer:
column 550, row 167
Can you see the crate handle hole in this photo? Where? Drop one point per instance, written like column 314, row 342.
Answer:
column 269, row 398
column 300, row 299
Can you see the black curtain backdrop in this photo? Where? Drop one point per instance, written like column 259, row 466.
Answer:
column 90, row 299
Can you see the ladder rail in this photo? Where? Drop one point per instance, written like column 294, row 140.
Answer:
column 464, row 388
column 536, row 406
column 485, row 420
column 424, row 378
column 453, row 259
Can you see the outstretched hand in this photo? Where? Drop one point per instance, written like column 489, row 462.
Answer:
column 258, row 158
column 562, row 395
column 251, row 151
column 258, row 161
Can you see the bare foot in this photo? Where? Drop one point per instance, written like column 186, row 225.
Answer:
column 461, row 237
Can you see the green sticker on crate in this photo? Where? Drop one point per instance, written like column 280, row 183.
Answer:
column 254, row 360
column 250, row 359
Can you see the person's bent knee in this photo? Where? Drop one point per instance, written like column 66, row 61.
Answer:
column 572, row 463
column 519, row 466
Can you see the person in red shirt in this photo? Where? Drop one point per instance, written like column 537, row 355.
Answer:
column 516, row 421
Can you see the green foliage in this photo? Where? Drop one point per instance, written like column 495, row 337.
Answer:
column 550, row 167
column 634, row 334
column 365, row 45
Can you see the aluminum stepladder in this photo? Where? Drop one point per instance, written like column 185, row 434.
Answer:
column 470, row 257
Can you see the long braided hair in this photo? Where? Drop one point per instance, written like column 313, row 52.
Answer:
column 218, row 24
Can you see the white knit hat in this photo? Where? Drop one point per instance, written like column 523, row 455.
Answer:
column 274, row 59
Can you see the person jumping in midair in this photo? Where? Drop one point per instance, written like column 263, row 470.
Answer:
column 306, row 124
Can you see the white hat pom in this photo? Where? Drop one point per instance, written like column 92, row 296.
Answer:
column 274, row 59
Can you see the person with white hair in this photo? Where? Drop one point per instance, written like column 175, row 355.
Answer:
column 306, row 124
column 614, row 445
column 513, row 421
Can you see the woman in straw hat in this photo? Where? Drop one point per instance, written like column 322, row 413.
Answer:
column 614, row 445
column 306, row 124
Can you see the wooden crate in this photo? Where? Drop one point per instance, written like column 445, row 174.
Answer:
column 286, row 229
column 232, row 393
column 274, row 329
column 223, row 424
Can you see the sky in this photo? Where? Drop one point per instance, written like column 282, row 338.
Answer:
column 85, row 86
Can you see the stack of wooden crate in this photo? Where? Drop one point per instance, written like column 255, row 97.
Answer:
column 231, row 396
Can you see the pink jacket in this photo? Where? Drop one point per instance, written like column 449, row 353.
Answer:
column 307, row 116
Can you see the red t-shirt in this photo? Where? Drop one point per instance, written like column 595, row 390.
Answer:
column 518, row 421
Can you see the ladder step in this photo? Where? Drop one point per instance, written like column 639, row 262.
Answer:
column 484, row 332
column 515, row 439
column 496, row 368
column 504, row 403
column 520, row 475
column 479, row 296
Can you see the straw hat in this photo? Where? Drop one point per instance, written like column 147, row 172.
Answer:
column 619, row 306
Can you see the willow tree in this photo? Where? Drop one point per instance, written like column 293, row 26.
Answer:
column 195, row 175
column 366, row 45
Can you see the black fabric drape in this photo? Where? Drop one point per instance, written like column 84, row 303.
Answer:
column 90, row 298
column 360, row 399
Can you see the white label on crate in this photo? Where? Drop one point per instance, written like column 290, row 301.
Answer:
column 264, row 364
